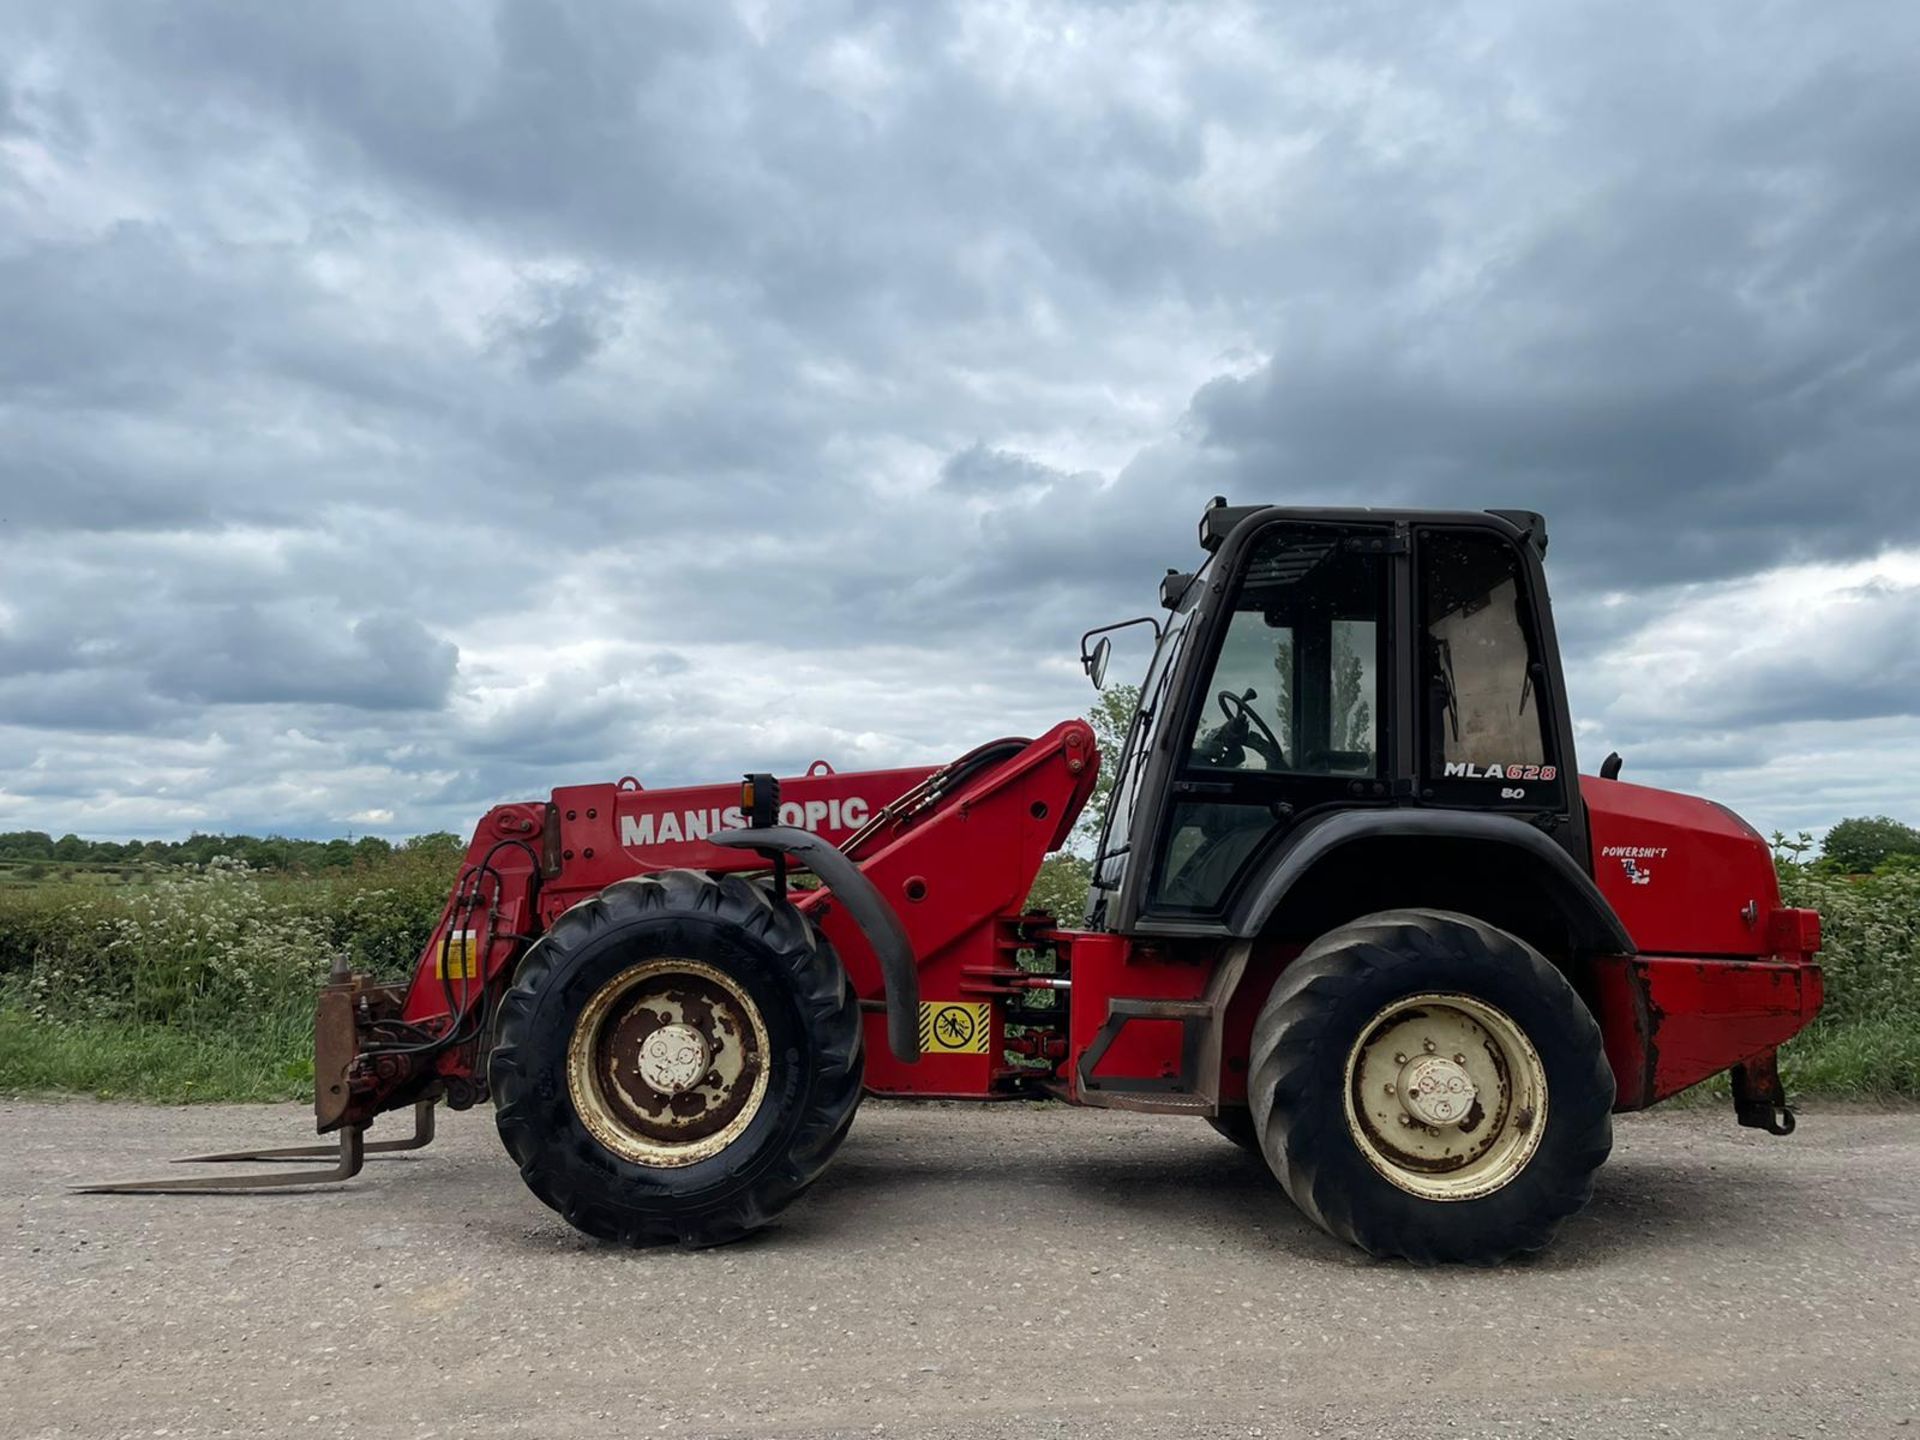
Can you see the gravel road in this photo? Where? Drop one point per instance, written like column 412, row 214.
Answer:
column 960, row 1272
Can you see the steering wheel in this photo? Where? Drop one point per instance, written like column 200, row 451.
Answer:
column 1242, row 718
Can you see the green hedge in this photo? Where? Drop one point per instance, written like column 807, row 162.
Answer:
column 1870, row 926
column 212, row 949
column 1867, row 1038
column 202, row 984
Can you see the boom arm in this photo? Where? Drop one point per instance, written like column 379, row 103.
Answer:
column 935, row 864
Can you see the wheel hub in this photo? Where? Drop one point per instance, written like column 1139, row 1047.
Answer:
column 1446, row 1096
column 673, row 1058
column 1436, row 1090
column 667, row 1065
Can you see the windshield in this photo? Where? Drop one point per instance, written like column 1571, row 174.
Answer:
column 1109, row 861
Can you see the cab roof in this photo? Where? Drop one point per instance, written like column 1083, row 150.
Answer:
column 1220, row 519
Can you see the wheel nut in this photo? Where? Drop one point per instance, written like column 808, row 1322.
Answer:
column 1399, row 1059
column 1459, row 1059
column 1429, row 1046
column 1389, row 1087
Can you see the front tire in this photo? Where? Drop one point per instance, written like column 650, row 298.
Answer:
column 1427, row 1086
column 677, row 1059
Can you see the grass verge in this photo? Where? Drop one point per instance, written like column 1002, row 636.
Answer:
column 1866, row 1059
column 115, row 1060
column 121, row 1061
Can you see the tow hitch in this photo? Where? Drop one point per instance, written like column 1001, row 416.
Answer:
column 1759, row 1099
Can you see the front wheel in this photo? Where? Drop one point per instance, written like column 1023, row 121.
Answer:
column 1427, row 1086
column 677, row 1059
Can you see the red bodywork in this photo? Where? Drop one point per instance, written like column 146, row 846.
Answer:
column 1722, row 973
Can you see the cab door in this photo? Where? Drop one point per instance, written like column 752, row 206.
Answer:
column 1285, row 709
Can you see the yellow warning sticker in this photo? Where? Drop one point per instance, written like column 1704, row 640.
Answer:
column 953, row 1027
column 459, row 959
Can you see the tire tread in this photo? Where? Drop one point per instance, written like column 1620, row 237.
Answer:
column 823, row 998
column 1301, row 1131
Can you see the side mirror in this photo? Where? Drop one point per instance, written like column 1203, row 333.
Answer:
column 1096, row 663
column 1093, row 659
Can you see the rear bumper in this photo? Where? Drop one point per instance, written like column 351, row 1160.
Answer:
column 1671, row 1022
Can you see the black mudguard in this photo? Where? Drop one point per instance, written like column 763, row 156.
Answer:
column 874, row 916
column 1591, row 923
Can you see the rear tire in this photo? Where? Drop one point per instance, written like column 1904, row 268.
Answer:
column 1237, row 1125
column 1381, row 1138
column 677, row 1059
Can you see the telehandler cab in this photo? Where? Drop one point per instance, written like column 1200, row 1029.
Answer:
column 1352, row 905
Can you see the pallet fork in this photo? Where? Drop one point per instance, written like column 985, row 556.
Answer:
column 352, row 1150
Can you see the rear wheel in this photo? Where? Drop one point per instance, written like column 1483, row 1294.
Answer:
column 677, row 1060
column 1427, row 1086
column 1237, row 1125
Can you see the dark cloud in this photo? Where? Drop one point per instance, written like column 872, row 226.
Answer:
column 99, row 701
column 429, row 405
column 1698, row 363
column 113, row 664
column 248, row 657
column 558, row 327
column 1753, row 654
column 978, row 469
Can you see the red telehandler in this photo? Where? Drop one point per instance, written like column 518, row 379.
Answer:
column 1352, row 905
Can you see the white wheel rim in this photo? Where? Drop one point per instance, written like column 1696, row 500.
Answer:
column 668, row 1063
column 1445, row 1096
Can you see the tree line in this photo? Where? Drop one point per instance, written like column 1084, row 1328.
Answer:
column 1857, row 846
column 272, row 852
column 1863, row 844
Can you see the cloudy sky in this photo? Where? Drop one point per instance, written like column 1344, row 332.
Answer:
column 406, row 407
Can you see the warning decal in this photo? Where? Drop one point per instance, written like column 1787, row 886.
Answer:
column 953, row 1027
column 459, row 959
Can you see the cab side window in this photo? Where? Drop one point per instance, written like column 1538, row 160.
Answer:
column 1483, row 702
column 1295, row 689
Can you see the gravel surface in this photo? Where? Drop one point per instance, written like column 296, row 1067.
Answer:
column 960, row 1272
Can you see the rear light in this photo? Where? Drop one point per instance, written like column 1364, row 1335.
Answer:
column 1793, row 932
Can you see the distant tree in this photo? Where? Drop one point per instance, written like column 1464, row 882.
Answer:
column 1283, row 689
column 1791, row 852
column 1352, row 711
column 198, row 849
column 1349, row 712
column 1111, row 718
column 1060, row 888
column 1857, row 845
column 277, row 852
column 440, row 843
column 272, row 852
